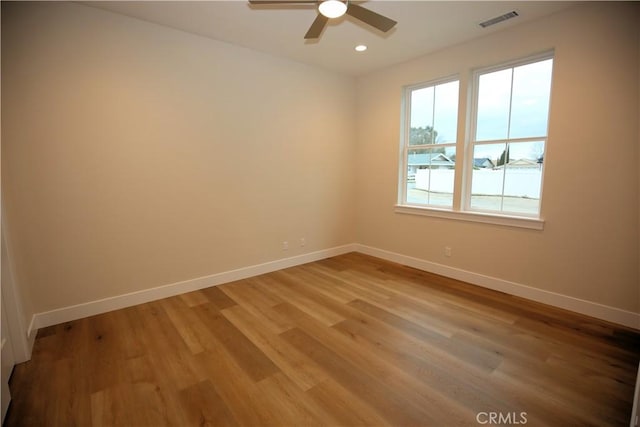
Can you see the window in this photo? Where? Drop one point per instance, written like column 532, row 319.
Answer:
column 430, row 148
column 502, row 158
column 509, row 136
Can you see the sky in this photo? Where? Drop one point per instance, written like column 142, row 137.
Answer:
column 499, row 116
column 445, row 119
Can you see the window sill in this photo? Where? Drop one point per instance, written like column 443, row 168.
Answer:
column 504, row 220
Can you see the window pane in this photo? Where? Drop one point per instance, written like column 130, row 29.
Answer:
column 488, row 176
column 530, row 99
column 430, row 176
column 494, row 93
column 512, row 104
column 523, row 177
column 446, row 112
column 421, row 124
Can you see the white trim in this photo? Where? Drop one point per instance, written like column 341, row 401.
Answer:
column 31, row 330
column 79, row 311
column 405, row 131
column 589, row 308
column 472, row 142
column 506, row 220
column 21, row 341
column 636, row 401
column 66, row 314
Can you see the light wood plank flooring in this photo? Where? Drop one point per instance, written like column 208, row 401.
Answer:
column 347, row 341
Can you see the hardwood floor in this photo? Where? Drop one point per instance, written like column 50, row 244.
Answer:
column 347, row 341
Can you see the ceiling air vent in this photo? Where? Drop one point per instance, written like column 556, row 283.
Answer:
column 497, row 19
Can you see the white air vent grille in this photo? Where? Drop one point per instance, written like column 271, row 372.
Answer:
column 497, row 19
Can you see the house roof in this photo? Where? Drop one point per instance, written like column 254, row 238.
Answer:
column 423, row 159
column 522, row 163
column 482, row 161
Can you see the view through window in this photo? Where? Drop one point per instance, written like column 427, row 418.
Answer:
column 512, row 110
column 502, row 160
column 431, row 145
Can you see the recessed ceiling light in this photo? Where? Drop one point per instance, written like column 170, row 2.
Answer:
column 361, row 48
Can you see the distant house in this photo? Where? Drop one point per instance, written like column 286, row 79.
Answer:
column 430, row 161
column 522, row 164
column 483, row 163
column 427, row 161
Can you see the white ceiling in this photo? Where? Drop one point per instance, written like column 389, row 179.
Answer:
column 423, row 27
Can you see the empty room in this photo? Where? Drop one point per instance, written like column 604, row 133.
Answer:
column 331, row 213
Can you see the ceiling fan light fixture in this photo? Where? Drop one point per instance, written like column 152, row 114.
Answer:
column 332, row 8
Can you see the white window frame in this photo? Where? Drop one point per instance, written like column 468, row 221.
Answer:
column 472, row 143
column 406, row 128
column 464, row 150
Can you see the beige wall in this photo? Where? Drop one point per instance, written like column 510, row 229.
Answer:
column 135, row 156
column 589, row 246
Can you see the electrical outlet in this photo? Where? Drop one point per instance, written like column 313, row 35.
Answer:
column 285, row 245
column 303, row 242
column 447, row 251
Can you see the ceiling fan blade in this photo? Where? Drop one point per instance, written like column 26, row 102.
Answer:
column 317, row 27
column 370, row 17
column 282, row 1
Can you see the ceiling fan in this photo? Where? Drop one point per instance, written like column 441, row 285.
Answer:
column 329, row 9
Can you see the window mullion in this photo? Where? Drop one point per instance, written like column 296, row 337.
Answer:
column 405, row 146
column 510, row 107
column 430, row 146
column 514, row 140
column 506, row 146
column 433, row 116
column 470, row 143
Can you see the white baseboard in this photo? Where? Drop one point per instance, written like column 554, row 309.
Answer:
column 79, row 311
column 67, row 314
column 589, row 308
